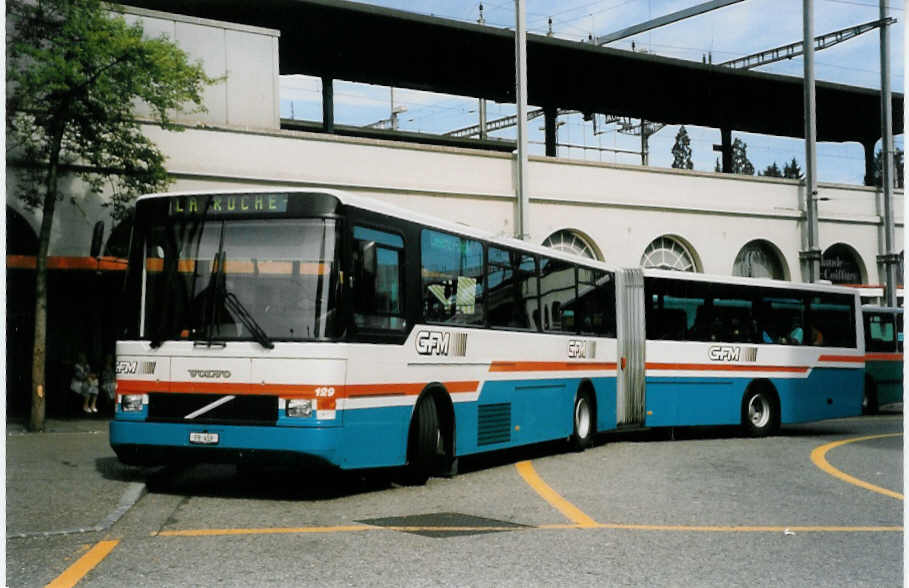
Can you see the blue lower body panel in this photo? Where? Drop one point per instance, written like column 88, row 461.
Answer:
column 528, row 411
column 677, row 402
column 507, row 414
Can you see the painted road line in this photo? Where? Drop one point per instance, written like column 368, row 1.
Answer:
column 555, row 527
column 83, row 565
column 739, row 529
column 570, row 511
column 819, row 459
column 263, row 531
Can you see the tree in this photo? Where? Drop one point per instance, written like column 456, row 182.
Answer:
column 878, row 165
column 718, row 168
column 681, row 151
column 73, row 73
column 740, row 163
column 792, row 170
column 772, row 171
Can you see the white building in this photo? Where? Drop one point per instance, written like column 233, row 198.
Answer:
column 626, row 215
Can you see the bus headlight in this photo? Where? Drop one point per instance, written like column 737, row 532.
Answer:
column 132, row 402
column 299, row 407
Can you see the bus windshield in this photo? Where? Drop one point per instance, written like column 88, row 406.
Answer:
column 229, row 279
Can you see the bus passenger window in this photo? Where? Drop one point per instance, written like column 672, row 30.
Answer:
column 879, row 332
column 512, row 287
column 558, row 294
column 378, row 279
column 451, row 270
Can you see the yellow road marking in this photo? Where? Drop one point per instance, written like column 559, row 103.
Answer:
column 83, row 565
column 570, row 511
column 557, row 527
column 819, row 459
column 264, row 531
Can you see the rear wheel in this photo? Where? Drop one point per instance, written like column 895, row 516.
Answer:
column 869, row 397
column 760, row 412
column 425, row 447
column 584, row 422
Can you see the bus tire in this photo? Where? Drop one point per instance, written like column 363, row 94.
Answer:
column 584, row 421
column 869, row 397
column 760, row 411
column 425, row 447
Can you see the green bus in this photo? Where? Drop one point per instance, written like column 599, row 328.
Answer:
column 883, row 357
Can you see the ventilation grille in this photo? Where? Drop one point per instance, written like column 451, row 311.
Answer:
column 494, row 424
column 241, row 410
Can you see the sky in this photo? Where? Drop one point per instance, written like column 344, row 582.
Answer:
column 727, row 33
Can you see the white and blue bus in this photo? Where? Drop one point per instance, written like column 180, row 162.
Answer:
column 320, row 327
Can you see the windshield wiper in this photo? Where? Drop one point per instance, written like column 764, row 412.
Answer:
column 236, row 307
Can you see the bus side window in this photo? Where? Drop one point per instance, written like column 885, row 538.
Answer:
column 899, row 332
column 595, row 306
column 451, row 269
column 512, row 289
column 558, row 294
column 378, row 279
column 880, row 332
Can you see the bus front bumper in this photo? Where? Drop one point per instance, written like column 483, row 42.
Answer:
column 144, row 443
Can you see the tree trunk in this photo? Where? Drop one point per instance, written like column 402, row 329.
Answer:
column 39, row 349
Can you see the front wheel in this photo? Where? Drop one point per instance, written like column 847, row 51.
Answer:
column 584, row 423
column 760, row 412
column 426, row 449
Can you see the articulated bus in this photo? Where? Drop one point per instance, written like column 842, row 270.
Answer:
column 883, row 358
column 323, row 328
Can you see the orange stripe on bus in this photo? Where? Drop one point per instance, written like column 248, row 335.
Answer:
column 285, row 390
column 722, row 367
column 846, row 358
column 884, row 357
column 548, row 366
column 67, row 263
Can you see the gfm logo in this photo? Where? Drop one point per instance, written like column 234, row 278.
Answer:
column 581, row 349
column 127, row 367
column 724, row 353
column 433, row 343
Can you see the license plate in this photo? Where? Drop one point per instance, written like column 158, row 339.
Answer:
column 204, row 438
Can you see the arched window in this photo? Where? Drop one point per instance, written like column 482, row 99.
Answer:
column 669, row 253
column 21, row 239
column 571, row 242
column 118, row 241
column 760, row 259
column 841, row 264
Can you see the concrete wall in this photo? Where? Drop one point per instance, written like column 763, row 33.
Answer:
column 244, row 58
column 620, row 208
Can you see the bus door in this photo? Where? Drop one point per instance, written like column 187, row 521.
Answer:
column 630, row 326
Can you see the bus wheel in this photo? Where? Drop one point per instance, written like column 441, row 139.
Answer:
column 869, row 397
column 425, row 447
column 760, row 411
column 584, row 422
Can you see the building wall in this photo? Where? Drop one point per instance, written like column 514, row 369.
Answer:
column 243, row 58
column 620, row 208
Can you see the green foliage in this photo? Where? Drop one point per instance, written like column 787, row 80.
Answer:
column 718, row 167
column 772, row 171
column 681, row 150
column 74, row 73
column 878, row 165
column 792, row 170
column 740, row 163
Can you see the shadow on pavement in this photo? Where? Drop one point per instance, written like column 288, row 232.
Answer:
column 314, row 484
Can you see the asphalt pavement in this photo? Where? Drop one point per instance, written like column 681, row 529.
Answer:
column 65, row 480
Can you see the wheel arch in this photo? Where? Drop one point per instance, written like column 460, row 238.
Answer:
column 769, row 389
column 586, row 386
column 444, row 411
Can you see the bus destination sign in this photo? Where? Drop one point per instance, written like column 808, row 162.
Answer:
column 228, row 204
